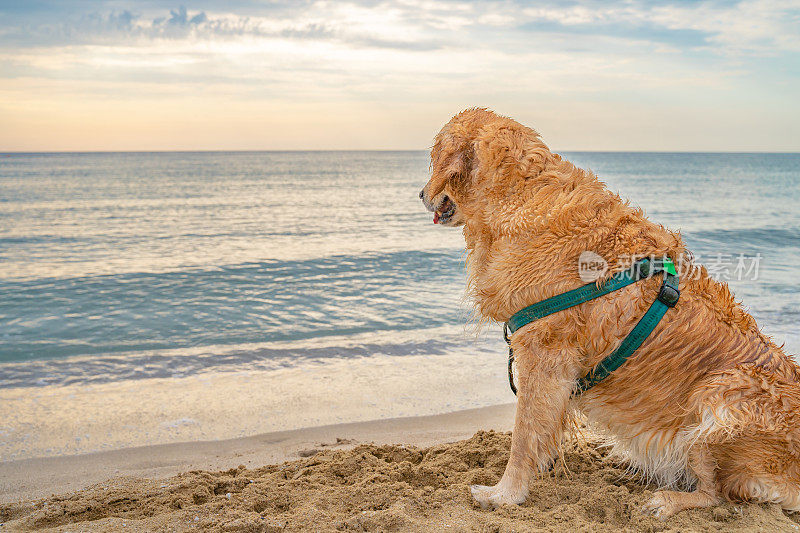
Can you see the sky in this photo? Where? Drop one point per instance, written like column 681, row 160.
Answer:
column 290, row 75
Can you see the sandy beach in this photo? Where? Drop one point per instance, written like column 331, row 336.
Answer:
column 404, row 474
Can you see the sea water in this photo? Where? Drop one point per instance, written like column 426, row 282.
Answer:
column 154, row 297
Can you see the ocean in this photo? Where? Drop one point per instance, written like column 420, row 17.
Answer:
column 299, row 288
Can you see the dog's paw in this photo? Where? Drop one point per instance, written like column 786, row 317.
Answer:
column 660, row 506
column 493, row 497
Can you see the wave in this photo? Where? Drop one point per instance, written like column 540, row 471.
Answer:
column 744, row 239
column 154, row 364
column 230, row 305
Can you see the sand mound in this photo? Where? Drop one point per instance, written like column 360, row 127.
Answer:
column 380, row 488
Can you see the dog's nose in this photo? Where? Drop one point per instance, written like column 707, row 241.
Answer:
column 422, row 194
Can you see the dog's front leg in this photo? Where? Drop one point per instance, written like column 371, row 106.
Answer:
column 545, row 381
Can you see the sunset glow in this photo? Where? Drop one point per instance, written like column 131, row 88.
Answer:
column 124, row 75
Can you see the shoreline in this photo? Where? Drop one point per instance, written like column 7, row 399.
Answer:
column 34, row 478
column 75, row 418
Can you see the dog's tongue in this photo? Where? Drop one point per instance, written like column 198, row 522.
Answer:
column 436, row 217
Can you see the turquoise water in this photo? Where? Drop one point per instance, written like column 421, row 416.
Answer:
column 121, row 266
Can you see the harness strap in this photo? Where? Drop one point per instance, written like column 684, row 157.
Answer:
column 640, row 270
column 667, row 297
column 569, row 299
column 635, row 338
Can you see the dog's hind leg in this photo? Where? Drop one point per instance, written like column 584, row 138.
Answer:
column 545, row 382
column 666, row 503
column 762, row 468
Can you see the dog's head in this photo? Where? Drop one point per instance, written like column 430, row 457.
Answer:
column 477, row 156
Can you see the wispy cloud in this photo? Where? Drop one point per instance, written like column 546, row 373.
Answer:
column 752, row 26
column 583, row 54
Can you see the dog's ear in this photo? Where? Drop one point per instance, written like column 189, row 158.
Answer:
column 506, row 153
column 451, row 163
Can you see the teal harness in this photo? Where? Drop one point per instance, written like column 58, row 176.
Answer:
column 667, row 298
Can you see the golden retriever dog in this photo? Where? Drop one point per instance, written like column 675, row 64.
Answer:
column 708, row 403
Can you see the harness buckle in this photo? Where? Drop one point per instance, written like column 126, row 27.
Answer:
column 668, row 295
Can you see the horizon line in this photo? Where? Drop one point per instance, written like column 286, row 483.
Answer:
column 352, row 150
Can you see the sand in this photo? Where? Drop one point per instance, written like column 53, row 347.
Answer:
column 350, row 485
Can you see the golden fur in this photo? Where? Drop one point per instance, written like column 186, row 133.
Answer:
column 707, row 401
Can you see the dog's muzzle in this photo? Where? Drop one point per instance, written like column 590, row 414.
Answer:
column 443, row 211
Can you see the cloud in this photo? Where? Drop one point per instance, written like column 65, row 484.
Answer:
column 360, row 45
column 625, row 55
column 751, row 26
column 126, row 27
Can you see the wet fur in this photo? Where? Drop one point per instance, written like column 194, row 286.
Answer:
column 707, row 401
